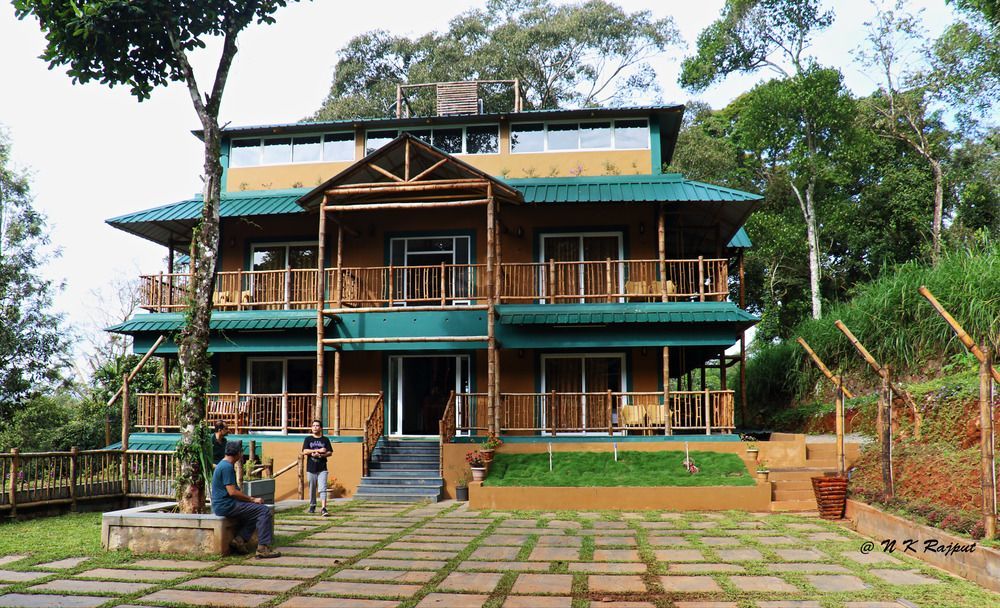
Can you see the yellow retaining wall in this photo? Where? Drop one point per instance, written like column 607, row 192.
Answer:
column 344, row 466
column 670, row 498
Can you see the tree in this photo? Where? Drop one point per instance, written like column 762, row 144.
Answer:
column 144, row 44
column 774, row 34
column 585, row 54
column 33, row 345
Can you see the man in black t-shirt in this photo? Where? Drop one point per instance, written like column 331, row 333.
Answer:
column 317, row 448
column 219, row 441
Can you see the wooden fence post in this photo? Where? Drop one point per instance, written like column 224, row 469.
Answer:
column 839, row 416
column 986, row 439
column 125, row 429
column 708, row 410
column 15, row 464
column 74, row 453
column 611, row 424
column 552, row 412
column 885, row 437
column 302, row 483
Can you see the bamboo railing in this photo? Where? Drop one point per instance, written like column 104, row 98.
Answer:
column 446, row 429
column 374, row 427
column 699, row 279
column 284, row 412
column 355, row 408
column 602, row 412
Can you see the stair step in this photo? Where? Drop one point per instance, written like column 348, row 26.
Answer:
column 408, row 490
column 791, row 484
column 407, row 457
column 408, row 443
column 404, row 473
column 405, row 450
column 399, row 498
column 404, row 466
column 433, row 481
column 794, row 505
column 782, row 494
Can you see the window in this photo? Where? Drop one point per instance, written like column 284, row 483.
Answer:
column 580, row 275
column 283, row 150
column 277, row 376
column 420, row 282
column 478, row 139
column 283, row 255
column 597, row 135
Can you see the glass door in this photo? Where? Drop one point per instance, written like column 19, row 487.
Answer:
column 419, row 281
column 587, row 277
column 420, row 387
column 581, row 383
column 278, row 280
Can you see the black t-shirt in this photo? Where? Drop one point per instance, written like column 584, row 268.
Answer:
column 218, row 449
column 316, row 464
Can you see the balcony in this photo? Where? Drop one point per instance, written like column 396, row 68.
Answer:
column 623, row 281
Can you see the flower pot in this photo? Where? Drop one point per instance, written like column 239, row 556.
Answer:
column 762, row 475
column 478, row 473
column 752, row 452
column 462, row 493
column 831, row 496
column 487, row 456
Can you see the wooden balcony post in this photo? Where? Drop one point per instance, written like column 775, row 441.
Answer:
column 159, row 293
column 284, row 413
column 743, row 347
column 125, row 412
column 722, row 370
column 661, row 230
column 551, row 287
column 288, row 287
column 491, row 358
column 986, row 438
column 339, row 289
column 321, row 304
column 611, row 424
column 607, row 279
column 443, row 283
column 336, row 392
column 701, row 278
column 74, row 472
column 156, row 413
column 15, row 465
column 552, row 412
column 708, row 412
column 666, row 391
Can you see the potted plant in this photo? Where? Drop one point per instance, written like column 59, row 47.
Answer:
column 256, row 485
column 752, row 449
column 831, row 495
column 462, row 487
column 476, row 464
column 762, row 470
column 489, row 447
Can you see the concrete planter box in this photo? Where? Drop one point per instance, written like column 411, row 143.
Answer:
column 981, row 566
column 262, row 488
column 151, row 529
column 671, row 498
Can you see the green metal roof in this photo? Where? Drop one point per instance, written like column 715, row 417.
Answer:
column 244, row 320
column 670, row 187
column 741, row 240
column 651, row 312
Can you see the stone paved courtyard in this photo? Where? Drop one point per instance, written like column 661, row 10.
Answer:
column 381, row 556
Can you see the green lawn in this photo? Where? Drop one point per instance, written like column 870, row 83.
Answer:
column 588, row 469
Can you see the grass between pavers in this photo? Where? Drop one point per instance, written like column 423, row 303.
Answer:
column 599, row 469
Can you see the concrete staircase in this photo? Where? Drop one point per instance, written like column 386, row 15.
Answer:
column 403, row 471
column 791, row 488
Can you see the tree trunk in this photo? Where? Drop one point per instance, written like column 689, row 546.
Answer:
column 938, row 207
column 812, row 236
column 192, row 352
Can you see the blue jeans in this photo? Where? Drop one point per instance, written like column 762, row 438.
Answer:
column 250, row 516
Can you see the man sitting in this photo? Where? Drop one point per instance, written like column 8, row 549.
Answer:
column 229, row 501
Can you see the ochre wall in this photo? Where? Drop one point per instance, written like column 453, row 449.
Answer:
column 344, row 466
column 670, row 498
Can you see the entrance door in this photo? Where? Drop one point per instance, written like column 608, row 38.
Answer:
column 581, row 383
column 587, row 280
column 421, row 386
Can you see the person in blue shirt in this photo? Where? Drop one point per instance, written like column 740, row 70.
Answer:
column 251, row 513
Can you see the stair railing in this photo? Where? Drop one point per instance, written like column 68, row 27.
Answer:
column 374, row 427
column 446, row 429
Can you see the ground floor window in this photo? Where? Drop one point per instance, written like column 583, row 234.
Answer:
column 581, row 383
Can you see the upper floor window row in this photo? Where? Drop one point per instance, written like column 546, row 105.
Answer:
column 630, row 134
column 478, row 139
column 330, row 147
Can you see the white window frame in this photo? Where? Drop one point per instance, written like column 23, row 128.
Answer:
column 287, row 245
column 543, row 276
column 545, row 136
column 322, row 136
column 397, row 387
column 431, row 128
column 284, row 371
column 583, row 381
column 406, row 257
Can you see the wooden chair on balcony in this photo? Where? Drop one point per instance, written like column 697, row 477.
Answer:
column 229, row 299
column 632, row 417
column 656, row 416
column 226, row 410
column 646, row 291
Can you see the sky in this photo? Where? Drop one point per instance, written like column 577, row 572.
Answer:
column 93, row 152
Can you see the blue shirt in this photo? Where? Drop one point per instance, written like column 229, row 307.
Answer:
column 224, row 475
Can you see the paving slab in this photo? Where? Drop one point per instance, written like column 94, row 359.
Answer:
column 385, row 576
column 10, row 576
column 668, row 541
column 379, row 590
column 610, row 525
column 800, row 555
column 705, row 604
column 24, row 600
column 206, row 598
column 875, row 557
column 132, row 575
column 792, row 604
column 903, row 577
column 553, row 554
column 426, row 538
column 548, row 584
column 689, row 584
column 559, row 541
column 605, row 541
column 301, row 560
column 417, row 555
column 310, row 551
column 567, row 525
column 609, row 583
column 301, row 601
column 807, row 567
column 538, row 601
column 828, row 537
column 700, row 568
column 62, row 564
column 872, row 605
column 172, row 564
column 678, row 555
column 253, row 585
column 481, row 582
column 739, row 555
column 78, row 586
column 453, row 600
column 505, row 566
column 375, row 562
column 836, row 583
column 271, row 571
column 608, row 567
column 495, row 553
column 803, row 527
column 10, row 559
column 621, row 604
column 776, row 540
column 766, row 584
column 720, row 541
column 616, row 555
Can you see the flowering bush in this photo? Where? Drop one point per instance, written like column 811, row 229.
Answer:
column 475, row 459
column 492, row 443
column 690, row 466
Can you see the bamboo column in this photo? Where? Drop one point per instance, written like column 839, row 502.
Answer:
column 661, row 236
column 722, row 370
column 987, row 438
column 490, row 321
column 960, row 332
column 170, row 273
column 667, row 430
column 497, row 279
column 336, row 391
column 885, row 437
column 320, row 305
column 125, row 428
column 339, row 303
column 743, row 346
column 74, row 472
column 839, row 414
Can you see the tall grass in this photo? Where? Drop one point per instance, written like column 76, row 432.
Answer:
column 893, row 321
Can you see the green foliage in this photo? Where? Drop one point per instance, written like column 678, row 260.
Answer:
column 577, row 54
column 893, row 321
column 33, row 344
column 586, row 469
